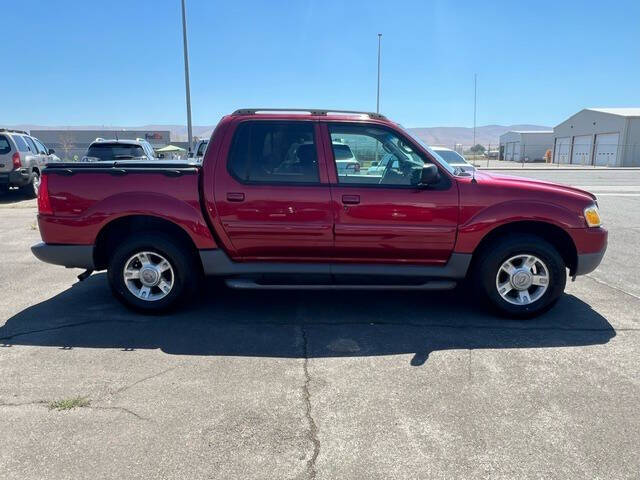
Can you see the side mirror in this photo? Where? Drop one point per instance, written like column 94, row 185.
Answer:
column 374, row 164
column 429, row 175
column 51, row 151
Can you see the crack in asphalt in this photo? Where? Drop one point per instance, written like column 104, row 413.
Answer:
column 313, row 428
column 137, row 382
column 121, row 409
column 617, row 289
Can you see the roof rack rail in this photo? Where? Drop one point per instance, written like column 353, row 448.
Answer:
column 311, row 111
column 13, row 130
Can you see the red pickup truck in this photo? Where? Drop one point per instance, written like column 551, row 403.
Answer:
column 268, row 209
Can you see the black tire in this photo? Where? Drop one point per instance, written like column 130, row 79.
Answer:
column 31, row 189
column 186, row 273
column 490, row 260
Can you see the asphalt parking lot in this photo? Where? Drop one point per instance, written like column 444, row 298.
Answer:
column 321, row 385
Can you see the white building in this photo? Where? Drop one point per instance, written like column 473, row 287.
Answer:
column 74, row 143
column 599, row 136
column 525, row 145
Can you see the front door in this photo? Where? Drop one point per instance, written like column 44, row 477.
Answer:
column 272, row 194
column 382, row 214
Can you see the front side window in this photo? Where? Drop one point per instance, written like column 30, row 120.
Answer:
column 40, row 146
column 382, row 157
column 274, row 152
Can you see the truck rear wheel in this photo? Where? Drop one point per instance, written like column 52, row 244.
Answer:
column 520, row 276
column 152, row 273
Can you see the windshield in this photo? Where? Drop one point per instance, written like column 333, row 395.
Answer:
column 451, row 157
column 115, row 151
column 440, row 160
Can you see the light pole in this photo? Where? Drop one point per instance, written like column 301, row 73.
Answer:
column 186, row 74
column 475, row 98
column 378, row 95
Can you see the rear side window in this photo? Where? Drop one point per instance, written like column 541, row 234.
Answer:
column 113, row 151
column 274, row 152
column 20, row 143
column 32, row 145
column 5, row 146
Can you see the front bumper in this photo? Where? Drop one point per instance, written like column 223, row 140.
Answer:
column 588, row 262
column 70, row 256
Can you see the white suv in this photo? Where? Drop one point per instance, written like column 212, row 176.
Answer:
column 21, row 159
column 101, row 150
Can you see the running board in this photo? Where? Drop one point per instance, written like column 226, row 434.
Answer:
column 244, row 284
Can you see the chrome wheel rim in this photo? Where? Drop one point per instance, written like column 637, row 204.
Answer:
column 522, row 279
column 148, row 276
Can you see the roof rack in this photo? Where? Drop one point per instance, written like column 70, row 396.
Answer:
column 13, row 131
column 311, row 111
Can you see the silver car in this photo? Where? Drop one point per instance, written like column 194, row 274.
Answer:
column 21, row 159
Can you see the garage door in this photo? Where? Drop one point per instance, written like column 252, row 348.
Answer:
column 509, row 155
column 561, row 152
column 606, row 149
column 581, row 154
column 516, row 152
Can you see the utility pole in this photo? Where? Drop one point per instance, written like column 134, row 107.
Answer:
column 475, row 99
column 378, row 96
column 186, row 74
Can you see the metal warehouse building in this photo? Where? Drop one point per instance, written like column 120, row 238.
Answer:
column 599, row 136
column 527, row 146
column 70, row 143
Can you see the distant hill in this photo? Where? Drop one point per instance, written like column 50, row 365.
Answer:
column 485, row 135
column 441, row 136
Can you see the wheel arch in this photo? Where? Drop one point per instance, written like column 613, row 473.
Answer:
column 555, row 235
column 122, row 227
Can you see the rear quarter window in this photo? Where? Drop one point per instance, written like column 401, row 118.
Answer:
column 5, row 146
column 20, row 143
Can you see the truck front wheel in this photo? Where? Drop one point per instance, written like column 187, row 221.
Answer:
column 152, row 273
column 521, row 276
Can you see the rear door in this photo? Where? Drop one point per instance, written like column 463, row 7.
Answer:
column 271, row 192
column 383, row 216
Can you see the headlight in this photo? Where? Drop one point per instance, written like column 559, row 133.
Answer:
column 592, row 216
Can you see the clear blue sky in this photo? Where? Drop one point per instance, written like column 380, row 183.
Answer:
column 73, row 62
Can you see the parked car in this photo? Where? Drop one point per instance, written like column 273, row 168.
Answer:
column 22, row 158
column 199, row 150
column 454, row 159
column 346, row 162
column 101, row 150
column 268, row 210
